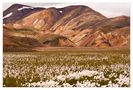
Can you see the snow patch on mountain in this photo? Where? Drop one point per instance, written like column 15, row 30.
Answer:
column 24, row 7
column 8, row 15
column 60, row 11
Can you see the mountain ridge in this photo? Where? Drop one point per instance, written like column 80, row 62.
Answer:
column 71, row 26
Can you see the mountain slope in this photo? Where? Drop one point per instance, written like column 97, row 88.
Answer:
column 27, row 27
column 17, row 12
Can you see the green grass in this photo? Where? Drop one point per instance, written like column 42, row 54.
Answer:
column 23, row 68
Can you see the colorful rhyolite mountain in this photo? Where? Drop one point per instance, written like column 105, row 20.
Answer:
column 26, row 28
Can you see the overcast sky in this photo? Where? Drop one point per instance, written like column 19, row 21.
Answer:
column 108, row 9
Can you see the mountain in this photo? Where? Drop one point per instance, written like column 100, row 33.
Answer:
column 27, row 27
column 17, row 12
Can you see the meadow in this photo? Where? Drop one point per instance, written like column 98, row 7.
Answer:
column 99, row 68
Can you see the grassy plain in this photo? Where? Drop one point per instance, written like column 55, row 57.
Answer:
column 72, row 68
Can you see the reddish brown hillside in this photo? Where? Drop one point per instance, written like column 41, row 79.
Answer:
column 26, row 28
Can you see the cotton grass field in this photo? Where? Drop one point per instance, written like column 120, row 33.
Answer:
column 106, row 68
